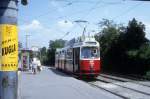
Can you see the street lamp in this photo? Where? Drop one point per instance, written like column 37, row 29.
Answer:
column 24, row 2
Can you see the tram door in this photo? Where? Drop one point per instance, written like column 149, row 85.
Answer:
column 76, row 58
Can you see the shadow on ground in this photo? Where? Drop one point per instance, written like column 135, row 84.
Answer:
column 58, row 72
column 61, row 73
column 88, row 79
column 28, row 72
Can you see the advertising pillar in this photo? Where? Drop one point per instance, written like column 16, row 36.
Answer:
column 8, row 49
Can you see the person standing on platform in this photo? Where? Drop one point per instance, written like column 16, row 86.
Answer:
column 34, row 65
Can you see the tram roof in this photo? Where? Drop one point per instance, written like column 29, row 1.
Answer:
column 86, row 41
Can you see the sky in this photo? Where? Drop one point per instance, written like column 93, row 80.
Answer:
column 45, row 20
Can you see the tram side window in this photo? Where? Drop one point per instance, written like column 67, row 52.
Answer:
column 63, row 54
column 69, row 54
column 59, row 54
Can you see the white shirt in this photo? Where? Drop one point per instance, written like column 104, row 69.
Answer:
column 34, row 64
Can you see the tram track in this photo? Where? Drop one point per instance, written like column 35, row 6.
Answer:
column 115, row 86
column 124, row 79
column 125, row 85
column 126, row 93
column 114, row 93
column 122, row 87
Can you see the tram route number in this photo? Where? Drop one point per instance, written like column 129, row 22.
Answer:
column 8, row 48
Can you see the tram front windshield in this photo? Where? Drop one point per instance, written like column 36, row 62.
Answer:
column 90, row 52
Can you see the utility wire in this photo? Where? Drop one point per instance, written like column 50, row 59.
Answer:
column 69, row 4
column 89, row 1
column 93, row 8
column 90, row 11
column 128, row 10
column 106, row 4
column 66, row 34
column 46, row 13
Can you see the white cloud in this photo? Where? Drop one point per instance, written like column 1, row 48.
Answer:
column 35, row 24
column 54, row 3
column 57, row 6
column 34, row 27
column 65, row 24
column 39, row 34
column 147, row 25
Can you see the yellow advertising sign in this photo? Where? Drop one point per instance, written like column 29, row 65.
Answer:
column 8, row 47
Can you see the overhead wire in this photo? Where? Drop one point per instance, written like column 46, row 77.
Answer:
column 106, row 4
column 67, row 33
column 92, row 8
column 89, row 11
column 27, row 21
column 68, row 4
column 88, row 1
column 120, row 15
column 46, row 13
column 128, row 10
column 43, row 14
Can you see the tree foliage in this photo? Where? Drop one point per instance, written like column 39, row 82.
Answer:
column 56, row 44
column 108, row 38
column 43, row 54
column 49, row 54
column 124, row 49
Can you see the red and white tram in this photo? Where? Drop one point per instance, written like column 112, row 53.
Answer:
column 80, row 57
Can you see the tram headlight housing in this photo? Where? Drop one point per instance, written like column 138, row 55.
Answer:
column 24, row 2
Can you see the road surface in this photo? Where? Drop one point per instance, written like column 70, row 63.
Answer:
column 52, row 84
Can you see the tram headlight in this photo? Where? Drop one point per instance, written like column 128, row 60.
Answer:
column 24, row 2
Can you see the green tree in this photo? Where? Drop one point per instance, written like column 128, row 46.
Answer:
column 124, row 49
column 43, row 51
column 131, row 42
column 108, row 38
column 56, row 44
column 53, row 45
column 134, row 35
column 43, row 55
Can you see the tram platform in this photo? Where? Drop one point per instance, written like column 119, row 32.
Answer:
column 52, row 84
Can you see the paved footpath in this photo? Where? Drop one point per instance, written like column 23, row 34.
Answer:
column 52, row 84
